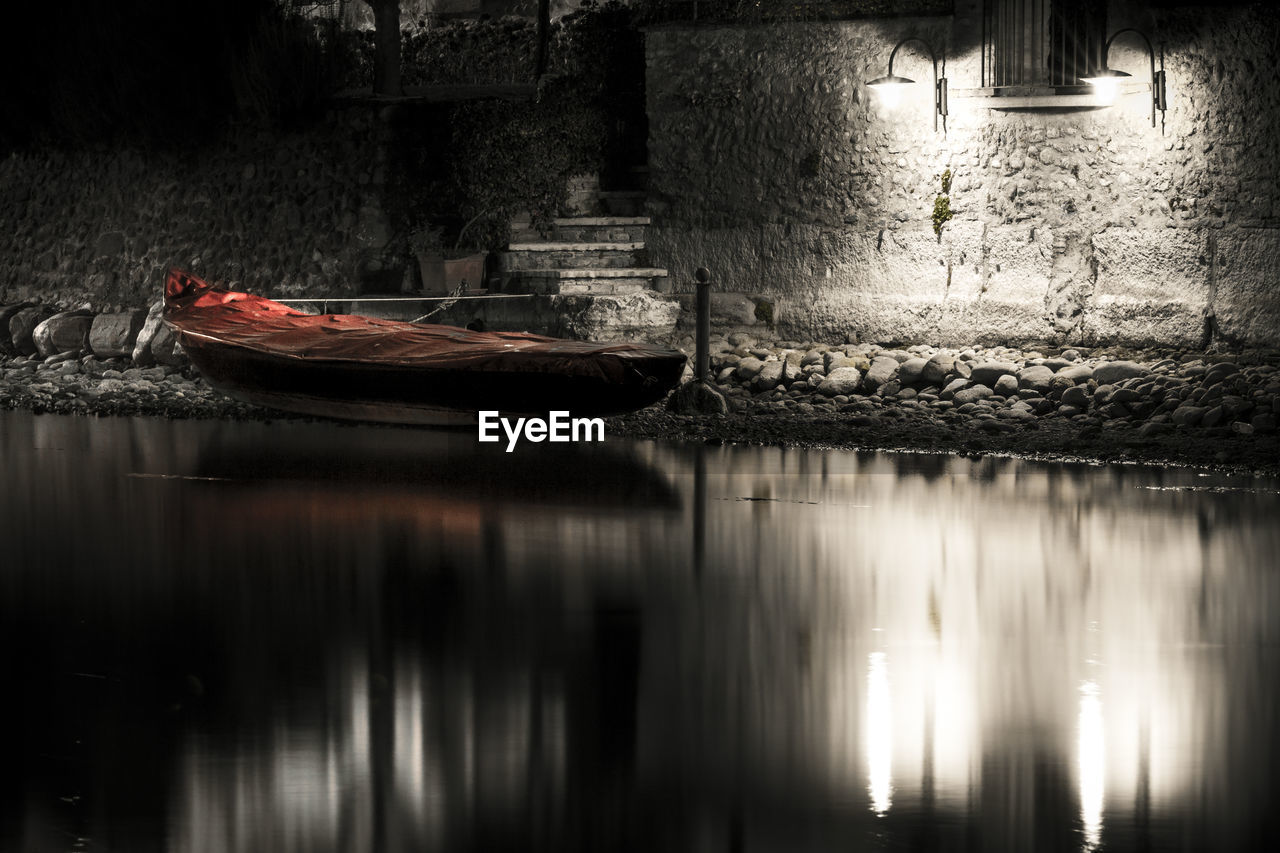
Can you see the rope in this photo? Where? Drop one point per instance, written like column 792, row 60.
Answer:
column 456, row 294
column 447, row 301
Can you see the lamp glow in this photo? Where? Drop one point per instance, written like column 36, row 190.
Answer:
column 890, row 86
column 1107, row 81
column 890, row 89
column 1107, row 84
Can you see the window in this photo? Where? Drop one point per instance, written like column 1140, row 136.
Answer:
column 1041, row 44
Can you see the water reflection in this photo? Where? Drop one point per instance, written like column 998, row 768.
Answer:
column 1093, row 762
column 304, row 637
column 879, row 734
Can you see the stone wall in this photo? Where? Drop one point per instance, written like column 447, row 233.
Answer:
column 357, row 14
column 282, row 214
column 773, row 166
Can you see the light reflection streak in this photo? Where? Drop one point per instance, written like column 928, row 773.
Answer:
column 879, row 734
column 458, row 756
column 1092, row 755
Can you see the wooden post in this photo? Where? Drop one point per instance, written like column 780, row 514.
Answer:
column 702, row 353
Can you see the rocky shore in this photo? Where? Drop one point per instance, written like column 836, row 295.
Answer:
column 1196, row 408
column 77, row 361
column 1216, row 410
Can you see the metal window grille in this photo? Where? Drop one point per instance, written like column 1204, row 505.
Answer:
column 1040, row 44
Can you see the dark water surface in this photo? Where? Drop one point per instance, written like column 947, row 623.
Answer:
column 303, row 637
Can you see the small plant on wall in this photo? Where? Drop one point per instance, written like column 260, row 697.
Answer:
column 942, row 205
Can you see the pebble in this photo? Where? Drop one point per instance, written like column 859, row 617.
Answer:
column 1220, row 371
column 1076, row 395
column 748, row 368
column 881, row 372
column 769, row 375
column 936, row 368
column 840, row 382
column 1037, row 377
column 911, row 371
column 1077, row 373
column 988, row 373
column 1117, row 371
column 972, row 394
column 1006, row 384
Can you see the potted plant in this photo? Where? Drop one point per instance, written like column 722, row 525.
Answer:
column 427, row 245
column 446, row 270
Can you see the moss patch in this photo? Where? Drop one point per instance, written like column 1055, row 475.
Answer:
column 942, row 205
column 941, row 213
column 764, row 312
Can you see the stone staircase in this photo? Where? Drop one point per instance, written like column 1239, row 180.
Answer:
column 592, row 255
column 589, row 278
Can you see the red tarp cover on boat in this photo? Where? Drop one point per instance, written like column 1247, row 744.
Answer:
column 240, row 319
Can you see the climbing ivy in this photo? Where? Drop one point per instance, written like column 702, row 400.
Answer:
column 942, row 205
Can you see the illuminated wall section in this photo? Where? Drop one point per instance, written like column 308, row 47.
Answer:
column 773, row 165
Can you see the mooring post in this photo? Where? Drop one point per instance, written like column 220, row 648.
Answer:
column 702, row 355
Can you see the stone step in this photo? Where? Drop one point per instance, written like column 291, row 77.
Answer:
column 563, row 255
column 597, row 287
column 601, row 228
column 639, row 316
column 584, row 281
column 584, row 229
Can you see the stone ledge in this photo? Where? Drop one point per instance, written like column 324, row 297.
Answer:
column 592, row 287
column 587, row 221
column 575, row 247
column 610, row 272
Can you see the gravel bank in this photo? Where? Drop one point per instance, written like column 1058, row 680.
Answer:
column 1217, row 410
column 1188, row 408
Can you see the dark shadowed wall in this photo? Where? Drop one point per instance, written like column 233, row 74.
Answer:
column 281, row 213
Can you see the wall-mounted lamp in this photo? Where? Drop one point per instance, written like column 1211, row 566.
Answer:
column 890, row 86
column 1107, row 81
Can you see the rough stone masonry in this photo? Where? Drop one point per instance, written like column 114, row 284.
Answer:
column 772, row 165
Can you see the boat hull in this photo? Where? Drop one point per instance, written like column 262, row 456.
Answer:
column 412, row 395
column 361, row 368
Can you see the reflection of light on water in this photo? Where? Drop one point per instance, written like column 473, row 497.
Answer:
column 450, row 755
column 1091, row 752
column 879, row 733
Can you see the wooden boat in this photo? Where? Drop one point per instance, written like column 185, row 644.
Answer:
column 361, row 368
